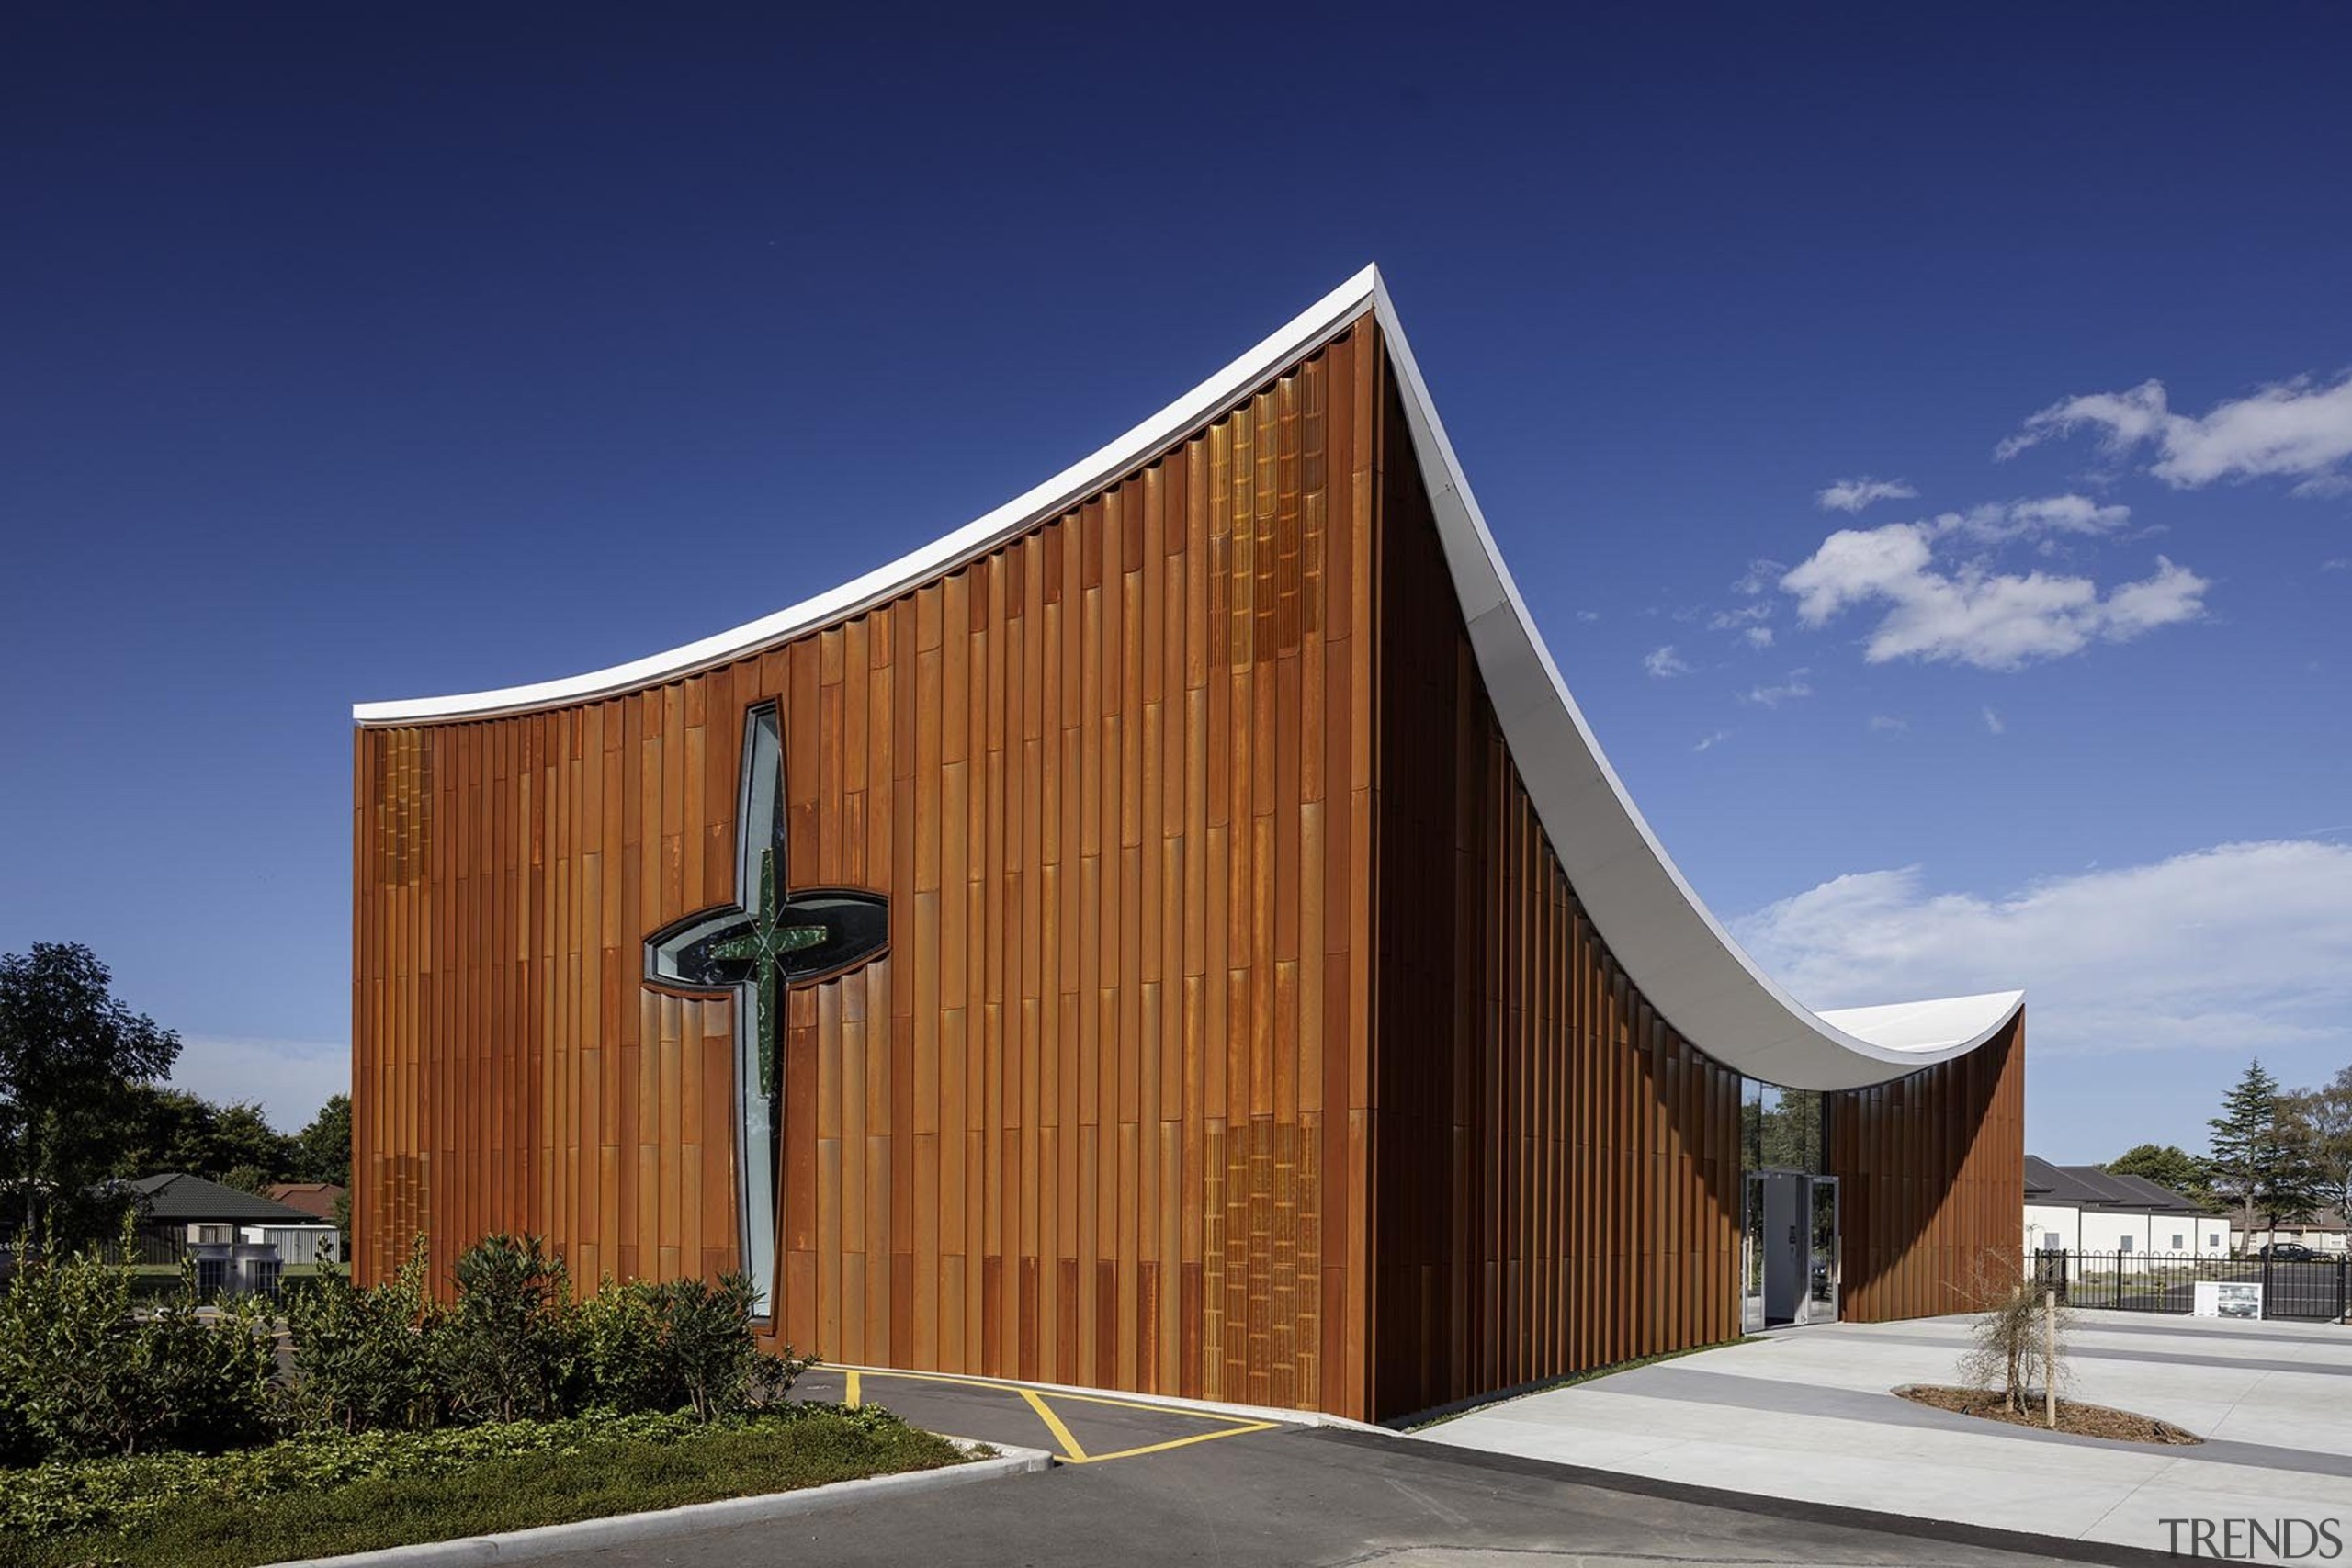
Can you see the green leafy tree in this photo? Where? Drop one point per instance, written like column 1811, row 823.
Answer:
column 2166, row 1165
column 2327, row 1111
column 250, row 1178
column 322, row 1149
column 171, row 1130
column 1784, row 1130
column 2264, row 1159
column 70, row 1052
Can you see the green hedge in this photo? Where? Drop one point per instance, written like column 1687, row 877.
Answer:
column 86, row 1369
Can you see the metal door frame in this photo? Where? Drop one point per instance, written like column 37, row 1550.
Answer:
column 1818, row 1309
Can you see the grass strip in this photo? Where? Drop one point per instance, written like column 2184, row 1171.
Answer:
column 501, row 1492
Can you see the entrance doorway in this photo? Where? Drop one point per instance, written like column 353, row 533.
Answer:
column 1789, row 1267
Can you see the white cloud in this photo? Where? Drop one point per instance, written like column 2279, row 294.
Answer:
column 1789, row 689
column 2297, row 429
column 2236, row 948
column 1887, row 724
column 1710, row 743
column 1664, row 662
column 1993, row 723
column 1758, row 637
column 1968, row 615
column 2000, row 520
column 1852, row 495
column 1587, row 614
column 2337, row 563
column 1760, row 576
column 292, row 1079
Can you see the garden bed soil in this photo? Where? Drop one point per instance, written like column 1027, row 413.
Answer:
column 2075, row 1418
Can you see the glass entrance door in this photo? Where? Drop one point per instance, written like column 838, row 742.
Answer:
column 1751, row 1256
column 1821, row 1285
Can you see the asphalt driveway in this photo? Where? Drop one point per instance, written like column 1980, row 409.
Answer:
column 1159, row 1487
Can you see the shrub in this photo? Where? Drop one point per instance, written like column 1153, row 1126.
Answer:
column 2008, row 1353
column 507, row 1349
column 685, row 1343
column 709, row 1343
column 624, row 1360
column 61, row 1497
column 80, row 1373
column 364, row 1357
column 217, row 1379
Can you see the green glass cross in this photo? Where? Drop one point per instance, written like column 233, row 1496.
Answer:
column 763, row 943
column 751, row 948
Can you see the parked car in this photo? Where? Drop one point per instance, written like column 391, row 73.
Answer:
column 2287, row 1252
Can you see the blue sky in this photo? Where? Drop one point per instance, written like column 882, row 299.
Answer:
column 360, row 355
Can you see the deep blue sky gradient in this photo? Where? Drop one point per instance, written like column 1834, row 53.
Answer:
column 355, row 354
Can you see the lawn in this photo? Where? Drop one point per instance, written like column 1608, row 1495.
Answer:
column 239, row 1510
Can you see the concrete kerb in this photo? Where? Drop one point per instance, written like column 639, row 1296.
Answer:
column 588, row 1534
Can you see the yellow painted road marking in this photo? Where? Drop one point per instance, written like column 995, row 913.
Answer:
column 1181, row 1442
column 1235, row 1425
column 1070, row 1450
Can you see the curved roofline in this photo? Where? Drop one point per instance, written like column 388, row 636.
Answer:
column 1670, row 945
column 1314, row 327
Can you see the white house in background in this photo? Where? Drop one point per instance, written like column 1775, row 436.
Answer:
column 181, row 1211
column 2323, row 1233
column 2080, row 1208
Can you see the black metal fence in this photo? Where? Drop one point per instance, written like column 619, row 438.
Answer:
column 2319, row 1291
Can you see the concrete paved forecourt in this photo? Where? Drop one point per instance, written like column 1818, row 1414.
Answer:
column 1807, row 1414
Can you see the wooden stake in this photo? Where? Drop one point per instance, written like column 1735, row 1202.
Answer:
column 2050, row 1359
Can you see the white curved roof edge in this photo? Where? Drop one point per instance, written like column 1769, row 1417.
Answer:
column 1669, row 943
column 1320, row 322
column 1666, row 939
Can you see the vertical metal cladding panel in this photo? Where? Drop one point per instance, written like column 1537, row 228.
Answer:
column 1095, row 1114
column 1557, row 1171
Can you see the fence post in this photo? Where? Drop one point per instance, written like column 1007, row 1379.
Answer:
column 2342, row 1265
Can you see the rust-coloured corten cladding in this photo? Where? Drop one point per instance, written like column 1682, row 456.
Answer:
column 1931, row 1172
column 1559, row 1172
column 1240, row 1036
column 1082, row 1121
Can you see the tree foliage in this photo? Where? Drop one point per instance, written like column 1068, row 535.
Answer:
column 322, row 1150
column 2264, row 1161
column 166, row 1129
column 1784, row 1128
column 2166, row 1165
column 2327, row 1111
column 69, row 1054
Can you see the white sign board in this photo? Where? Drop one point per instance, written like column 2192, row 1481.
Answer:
column 2227, row 1298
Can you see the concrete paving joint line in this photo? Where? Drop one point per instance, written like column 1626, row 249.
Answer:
column 591, row 1535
